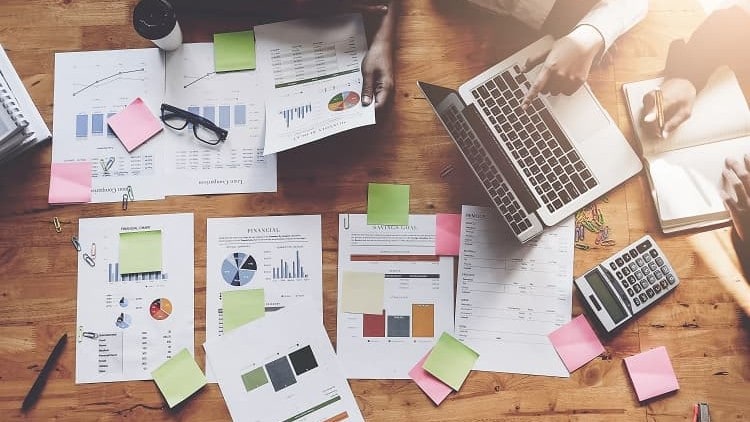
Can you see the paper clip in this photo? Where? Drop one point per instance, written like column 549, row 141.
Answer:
column 76, row 244
column 89, row 260
column 346, row 222
column 131, row 196
column 124, row 201
column 109, row 163
column 582, row 246
column 608, row 242
column 93, row 250
column 700, row 413
column 89, row 334
column 103, row 164
column 58, row 226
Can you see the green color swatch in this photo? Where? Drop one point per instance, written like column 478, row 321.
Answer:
column 254, row 379
column 234, row 51
column 179, row 377
column 140, row 252
column 450, row 361
column 388, row 204
column 242, row 306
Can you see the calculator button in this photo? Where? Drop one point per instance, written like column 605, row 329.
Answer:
column 658, row 274
column 653, row 253
column 665, row 269
column 671, row 279
column 644, row 283
column 637, row 288
column 640, row 262
column 631, row 279
column 633, row 266
column 650, row 292
column 646, row 271
column 652, row 265
column 636, row 301
column 626, row 257
column 638, row 275
column 663, row 284
column 626, row 271
column 651, row 279
column 644, row 246
column 659, row 261
column 619, row 262
column 633, row 253
column 613, row 265
column 619, row 275
column 643, row 297
column 647, row 257
column 657, row 288
column 630, row 292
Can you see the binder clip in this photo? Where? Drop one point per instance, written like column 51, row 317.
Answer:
column 76, row 244
column 124, row 201
column 89, row 260
column 56, row 223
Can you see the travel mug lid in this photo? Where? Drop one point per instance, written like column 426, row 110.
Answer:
column 154, row 19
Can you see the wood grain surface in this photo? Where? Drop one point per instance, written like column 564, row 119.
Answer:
column 445, row 42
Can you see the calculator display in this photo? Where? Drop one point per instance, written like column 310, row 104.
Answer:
column 613, row 307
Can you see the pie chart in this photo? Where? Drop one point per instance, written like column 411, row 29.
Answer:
column 238, row 269
column 343, row 101
column 123, row 321
column 160, row 309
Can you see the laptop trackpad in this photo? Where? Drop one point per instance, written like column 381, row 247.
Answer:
column 579, row 114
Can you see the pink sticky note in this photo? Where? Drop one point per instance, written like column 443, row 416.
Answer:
column 651, row 373
column 435, row 389
column 448, row 234
column 135, row 124
column 576, row 343
column 70, row 183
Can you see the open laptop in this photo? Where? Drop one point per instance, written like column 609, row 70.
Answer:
column 541, row 165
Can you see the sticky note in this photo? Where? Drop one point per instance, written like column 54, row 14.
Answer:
column 450, row 361
column 70, row 183
column 651, row 373
column 238, row 307
column 362, row 292
column 388, row 204
column 435, row 389
column 576, row 343
column 234, row 51
column 179, row 377
column 135, row 124
column 140, row 252
column 447, row 234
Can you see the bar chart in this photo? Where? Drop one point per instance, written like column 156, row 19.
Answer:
column 228, row 115
column 287, row 270
column 115, row 276
column 299, row 113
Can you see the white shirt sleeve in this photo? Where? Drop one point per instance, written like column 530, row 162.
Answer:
column 613, row 18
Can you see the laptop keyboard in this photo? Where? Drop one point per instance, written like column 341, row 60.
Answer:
column 547, row 158
column 488, row 173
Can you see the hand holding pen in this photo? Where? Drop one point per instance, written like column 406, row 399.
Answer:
column 667, row 107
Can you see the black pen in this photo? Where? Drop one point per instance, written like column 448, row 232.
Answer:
column 41, row 379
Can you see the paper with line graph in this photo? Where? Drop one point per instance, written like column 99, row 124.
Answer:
column 311, row 73
column 511, row 295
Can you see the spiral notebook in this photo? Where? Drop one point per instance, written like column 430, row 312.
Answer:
column 21, row 125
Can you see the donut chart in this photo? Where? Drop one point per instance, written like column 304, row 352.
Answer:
column 160, row 309
column 238, row 269
column 343, row 101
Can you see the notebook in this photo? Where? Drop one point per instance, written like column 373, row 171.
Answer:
column 684, row 170
column 23, row 113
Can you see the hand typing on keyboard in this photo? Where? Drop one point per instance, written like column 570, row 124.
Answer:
column 566, row 65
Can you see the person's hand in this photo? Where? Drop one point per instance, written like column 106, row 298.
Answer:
column 377, row 74
column 566, row 65
column 678, row 98
column 735, row 193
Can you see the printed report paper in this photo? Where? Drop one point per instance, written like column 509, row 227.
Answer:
column 510, row 296
column 312, row 71
column 282, row 368
column 280, row 254
column 129, row 323
column 417, row 296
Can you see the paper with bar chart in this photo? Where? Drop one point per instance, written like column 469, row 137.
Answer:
column 92, row 86
column 280, row 254
column 511, row 296
column 311, row 70
column 135, row 305
column 417, row 289
column 232, row 101
column 282, row 368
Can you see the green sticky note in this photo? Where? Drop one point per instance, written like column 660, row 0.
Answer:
column 242, row 306
column 362, row 293
column 140, row 252
column 388, row 204
column 179, row 377
column 450, row 361
column 234, row 51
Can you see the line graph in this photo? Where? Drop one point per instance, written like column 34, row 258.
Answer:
column 107, row 78
column 198, row 78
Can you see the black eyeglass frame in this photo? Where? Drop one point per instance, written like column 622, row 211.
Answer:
column 194, row 120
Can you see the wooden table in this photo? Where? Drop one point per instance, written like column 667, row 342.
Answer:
column 700, row 323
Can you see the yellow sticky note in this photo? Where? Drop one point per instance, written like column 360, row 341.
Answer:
column 179, row 377
column 140, row 252
column 362, row 292
column 242, row 306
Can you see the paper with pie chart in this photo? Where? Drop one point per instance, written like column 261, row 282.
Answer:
column 313, row 69
column 282, row 255
column 129, row 323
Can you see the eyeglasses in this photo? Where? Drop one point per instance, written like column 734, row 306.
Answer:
column 204, row 129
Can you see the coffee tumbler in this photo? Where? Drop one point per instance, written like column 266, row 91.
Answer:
column 156, row 20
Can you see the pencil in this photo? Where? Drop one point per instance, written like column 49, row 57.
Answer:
column 659, row 110
column 41, row 379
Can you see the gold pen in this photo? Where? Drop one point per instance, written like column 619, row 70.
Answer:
column 659, row 111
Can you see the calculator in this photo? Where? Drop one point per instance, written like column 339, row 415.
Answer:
column 627, row 283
